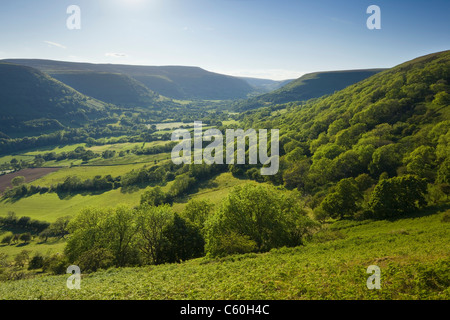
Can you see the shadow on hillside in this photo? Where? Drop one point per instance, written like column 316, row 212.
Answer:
column 23, row 244
column 70, row 195
column 13, row 200
column 427, row 211
column 137, row 187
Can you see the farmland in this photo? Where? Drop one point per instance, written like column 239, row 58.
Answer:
column 30, row 174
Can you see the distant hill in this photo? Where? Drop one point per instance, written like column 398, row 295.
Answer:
column 265, row 85
column 308, row 86
column 113, row 88
column 176, row 82
column 29, row 97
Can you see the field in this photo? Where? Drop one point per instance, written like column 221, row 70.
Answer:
column 49, row 206
column 30, row 175
column 85, row 172
column 412, row 253
column 45, row 248
column 214, row 190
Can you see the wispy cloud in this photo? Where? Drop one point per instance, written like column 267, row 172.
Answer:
column 55, row 44
column 115, row 55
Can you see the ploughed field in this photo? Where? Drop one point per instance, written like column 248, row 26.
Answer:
column 30, row 175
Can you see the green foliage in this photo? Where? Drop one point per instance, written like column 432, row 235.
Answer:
column 393, row 123
column 25, row 237
column 198, row 211
column 182, row 241
column 55, row 263
column 154, row 197
column 442, row 98
column 88, row 231
column 412, row 254
column 344, row 201
column 17, row 181
column 111, row 229
column 422, row 162
column 396, row 196
column 385, row 159
column 94, row 259
column 151, row 222
column 7, row 238
column 264, row 215
column 446, row 216
column 37, row 262
column 22, row 258
column 230, row 243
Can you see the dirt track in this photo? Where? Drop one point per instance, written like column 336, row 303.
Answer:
column 30, row 174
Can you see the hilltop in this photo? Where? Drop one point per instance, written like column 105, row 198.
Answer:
column 27, row 94
column 115, row 88
column 176, row 82
column 308, row 86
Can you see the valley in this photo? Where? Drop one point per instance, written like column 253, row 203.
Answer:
column 364, row 176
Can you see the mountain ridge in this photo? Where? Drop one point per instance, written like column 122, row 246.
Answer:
column 29, row 94
column 175, row 82
column 308, row 86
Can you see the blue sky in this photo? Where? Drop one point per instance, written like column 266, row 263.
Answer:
column 275, row 39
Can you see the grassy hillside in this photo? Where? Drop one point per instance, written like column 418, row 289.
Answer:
column 177, row 82
column 28, row 97
column 412, row 254
column 308, row 86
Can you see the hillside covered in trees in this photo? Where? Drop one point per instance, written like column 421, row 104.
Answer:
column 393, row 124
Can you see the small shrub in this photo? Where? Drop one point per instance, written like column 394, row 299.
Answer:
column 36, row 262
column 7, row 239
column 22, row 258
column 233, row 243
column 94, row 259
column 446, row 216
column 56, row 264
column 25, row 237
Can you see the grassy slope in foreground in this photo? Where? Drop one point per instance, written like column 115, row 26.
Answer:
column 413, row 254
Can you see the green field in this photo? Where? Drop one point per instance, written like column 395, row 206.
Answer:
column 125, row 146
column 214, row 190
column 49, row 206
column 412, row 253
column 7, row 159
column 57, row 149
column 45, row 248
column 85, row 172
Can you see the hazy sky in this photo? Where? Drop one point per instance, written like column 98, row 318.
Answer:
column 275, row 39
